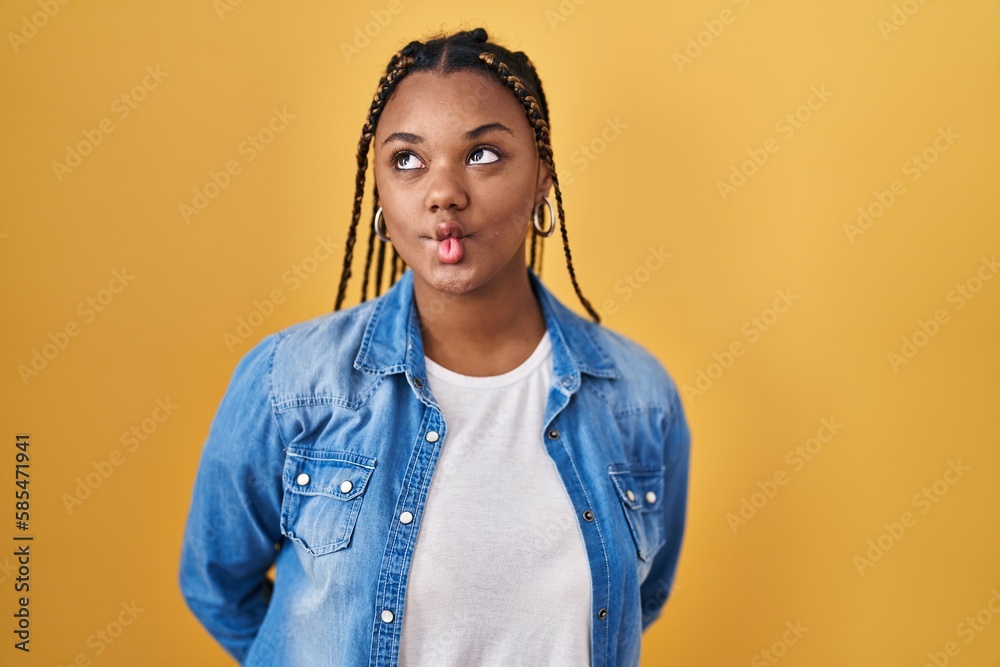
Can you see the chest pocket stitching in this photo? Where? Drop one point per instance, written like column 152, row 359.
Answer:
column 317, row 514
column 353, row 402
column 637, row 409
column 645, row 519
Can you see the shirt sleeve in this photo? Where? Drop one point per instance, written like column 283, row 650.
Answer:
column 657, row 586
column 233, row 525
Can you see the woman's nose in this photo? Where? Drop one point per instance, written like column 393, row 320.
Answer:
column 446, row 188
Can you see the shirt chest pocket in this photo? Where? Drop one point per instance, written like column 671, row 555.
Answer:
column 640, row 490
column 323, row 495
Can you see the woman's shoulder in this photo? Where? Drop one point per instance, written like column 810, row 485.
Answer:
column 312, row 359
column 330, row 331
column 622, row 347
column 636, row 361
column 608, row 352
column 639, row 375
column 622, row 350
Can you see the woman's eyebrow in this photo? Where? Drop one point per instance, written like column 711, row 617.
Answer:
column 471, row 134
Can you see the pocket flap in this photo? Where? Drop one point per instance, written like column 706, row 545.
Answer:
column 338, row 475
column 640, row 487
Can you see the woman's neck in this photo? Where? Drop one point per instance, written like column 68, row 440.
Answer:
column 489, row 331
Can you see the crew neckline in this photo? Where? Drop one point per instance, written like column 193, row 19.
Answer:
column 541, row 353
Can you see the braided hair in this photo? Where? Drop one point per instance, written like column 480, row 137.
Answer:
column 466, row 50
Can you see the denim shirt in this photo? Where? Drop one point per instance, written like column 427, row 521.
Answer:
column 320, row 458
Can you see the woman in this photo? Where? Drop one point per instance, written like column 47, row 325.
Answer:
column 460, row 471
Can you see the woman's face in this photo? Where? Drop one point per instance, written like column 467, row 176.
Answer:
column 458, row 175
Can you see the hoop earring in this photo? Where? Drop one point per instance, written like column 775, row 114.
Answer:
column 545, row 233
column 379, row 232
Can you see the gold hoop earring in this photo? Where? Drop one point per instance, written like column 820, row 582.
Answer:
column 545, row 233
column 379, row 232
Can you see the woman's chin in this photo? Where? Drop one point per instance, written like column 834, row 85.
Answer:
column 455, row 279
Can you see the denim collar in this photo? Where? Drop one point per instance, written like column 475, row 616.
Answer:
column 392, row 342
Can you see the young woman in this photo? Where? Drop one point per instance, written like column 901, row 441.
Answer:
column 460, row 471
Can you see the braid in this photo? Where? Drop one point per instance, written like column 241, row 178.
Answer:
column 370, row 248
column 541, row 253
column 398, row 66
column 538, row 122
column 378, row 268
column 537, row 250
column 531, row 261
column 541, row 92
column 530, row 67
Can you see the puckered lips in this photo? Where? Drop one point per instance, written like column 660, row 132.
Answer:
column 450, row 238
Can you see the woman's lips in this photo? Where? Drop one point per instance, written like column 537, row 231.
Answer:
column 450, row 244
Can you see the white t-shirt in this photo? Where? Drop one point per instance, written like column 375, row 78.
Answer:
column 499, row 574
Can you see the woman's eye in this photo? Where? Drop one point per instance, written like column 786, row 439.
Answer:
column 481, row 156
column 407, row 162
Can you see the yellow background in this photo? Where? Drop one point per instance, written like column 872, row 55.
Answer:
column 682, row 126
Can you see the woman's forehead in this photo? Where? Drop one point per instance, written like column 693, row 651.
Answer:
column 457, row 101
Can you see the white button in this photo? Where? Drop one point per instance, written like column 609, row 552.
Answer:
column 650, row 497
column 346, row 486
column 406, row 517
column 387, row 616
column 432, row 436
column 302, row 479
column 630, row 496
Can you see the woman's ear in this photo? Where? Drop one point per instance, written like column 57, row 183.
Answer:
column 544, row 183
